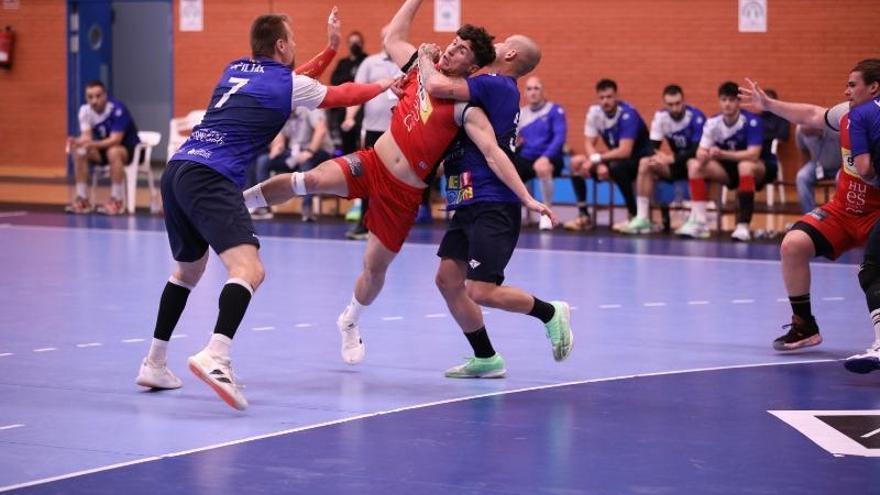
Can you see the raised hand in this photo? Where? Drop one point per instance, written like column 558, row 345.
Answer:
column 334, row 28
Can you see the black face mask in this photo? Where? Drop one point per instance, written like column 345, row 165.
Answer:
column 356, row 50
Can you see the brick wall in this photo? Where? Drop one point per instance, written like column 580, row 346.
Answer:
column 33, row 94
column 643, row 44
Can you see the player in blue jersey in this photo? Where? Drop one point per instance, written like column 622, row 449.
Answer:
column 681, row 126
column 484, row 190
column 730, row 154
column 625, row 135
column 201, row 193
column 108, row 136
column 540, row 139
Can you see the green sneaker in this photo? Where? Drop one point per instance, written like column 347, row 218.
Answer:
column 353, row 214
column 637, row 225
column 491, row 367
column 559, row 330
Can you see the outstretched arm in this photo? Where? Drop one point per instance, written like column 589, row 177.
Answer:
column 396, row 41
column 317, row 65
column 479, row 129
column 798, row 113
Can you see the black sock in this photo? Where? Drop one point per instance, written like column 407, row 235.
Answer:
column 580, row 194
column 543, row 311
column 746, row 207
column 800, row 306
column 479, row 341
column 234, row 300
column 171, row 306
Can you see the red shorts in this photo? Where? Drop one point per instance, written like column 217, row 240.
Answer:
column 393, row 204
column 843, row 230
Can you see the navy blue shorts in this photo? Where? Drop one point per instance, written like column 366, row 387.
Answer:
column 483, row 235
column 203, row 208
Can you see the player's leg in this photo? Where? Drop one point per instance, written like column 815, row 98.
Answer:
column 580, row 168
column 807, row 239
column 81, row 158
column 377, row 259
column 117, row 158
column 698, row 174
column 649, row 169
column 326, row 178
column 545, row 170
column 624, row 173
column 750, row 172
column 869, row 279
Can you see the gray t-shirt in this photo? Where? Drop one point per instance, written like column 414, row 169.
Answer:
column 823, row 149
column 300, row 128
column 377, row 112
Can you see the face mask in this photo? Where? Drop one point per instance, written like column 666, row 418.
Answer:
column 356, row 50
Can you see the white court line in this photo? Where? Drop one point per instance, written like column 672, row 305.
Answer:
column 393, row 411
column 833, row 298
column 391, row 318
column 697, row 303
column 435, row 315
column 130, row 341
column 303, row 325
column 433, row 247
column 4, row 354
column 46, row 349
column 262, row 329
column 9, row 427
column 609, row 306
column 89, row 344
column 871, row 434
column 179, row 336
column 653, row 304
column 742, row 301
column 18, row 213
column 782, row 299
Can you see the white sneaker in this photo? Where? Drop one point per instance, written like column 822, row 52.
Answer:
column 217, row 373
column 741, row 233
column 545, row 223
column 693, row 228
column 866, row 362
column 353, row 348
column 158, row 377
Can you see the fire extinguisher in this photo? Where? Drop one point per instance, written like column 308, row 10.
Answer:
column 7, row 40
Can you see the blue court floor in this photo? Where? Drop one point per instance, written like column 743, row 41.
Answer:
column 672, row 386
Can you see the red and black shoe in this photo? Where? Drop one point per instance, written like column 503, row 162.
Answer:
column 801, row 334
column 112, row 207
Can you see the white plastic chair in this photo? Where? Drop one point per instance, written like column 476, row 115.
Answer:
column 140, row 164
column 178, row 129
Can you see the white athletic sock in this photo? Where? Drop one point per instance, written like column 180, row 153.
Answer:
column 875, row 319
column 253, row 197
column 219, row 345
column 643, row 205
column 547, row 191
column 352, row 312
column 82, row 190
column 116, row 190
column 158, row 352
column 298, row 183
column 698, row 210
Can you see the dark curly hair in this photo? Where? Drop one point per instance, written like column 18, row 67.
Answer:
column 481, row 43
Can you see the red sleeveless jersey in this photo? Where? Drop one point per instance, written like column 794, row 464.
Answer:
column 422, row 126
column 853, row 194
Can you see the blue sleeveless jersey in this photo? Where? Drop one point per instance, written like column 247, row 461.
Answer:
column 249, row 106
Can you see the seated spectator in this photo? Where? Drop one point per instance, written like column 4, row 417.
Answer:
column 729, row 154
column 302, row 145
column 626, row 137
column 107, row 136
column 681, row 125
column 541, row 133
column 820, row 149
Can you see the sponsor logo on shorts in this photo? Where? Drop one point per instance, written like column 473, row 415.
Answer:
column 474, row 264
column 354, row 165
column 199, row 152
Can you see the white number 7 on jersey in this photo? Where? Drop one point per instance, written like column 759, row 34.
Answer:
column 238, row 83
